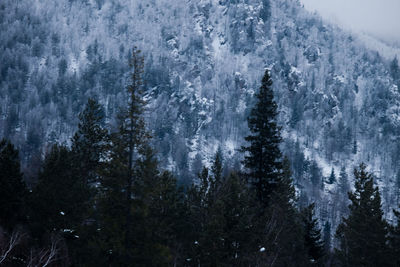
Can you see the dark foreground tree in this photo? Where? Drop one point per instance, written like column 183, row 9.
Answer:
column 13, row 190
column 263, row 158
column 277, row 225
column 59, row 201
column 363, row 234
column 312, row 238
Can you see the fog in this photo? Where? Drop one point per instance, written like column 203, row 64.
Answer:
column 380, row 18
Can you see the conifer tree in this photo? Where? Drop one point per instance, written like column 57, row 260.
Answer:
column 127, row 183
column 312, row 238
column 221, row 214
column 343, row 181
column 363, row 234
column 60, row 199
column 89, row 149
column 89, row 144
column 13, row 191
column 276, row 223
column 332, row 177
column 327, row 236
column 263, row 156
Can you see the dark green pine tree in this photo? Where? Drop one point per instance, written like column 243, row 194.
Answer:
column 216, row 169
column 128, row 178
column 59, row 201
column 263, row 158
column 343, row 184
column 89, row 148
column 276, row 223
column 221, row 215
column 89, row 144
column 395, row 70
column 363, row 234
column 332, row 177
column 13, row 191
column 312, row 238
column 327, row 237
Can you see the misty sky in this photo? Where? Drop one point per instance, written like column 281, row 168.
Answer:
column 380, row 18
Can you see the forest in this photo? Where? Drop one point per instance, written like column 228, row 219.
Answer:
column 104, row 200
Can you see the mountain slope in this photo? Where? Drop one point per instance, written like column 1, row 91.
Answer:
column 338, row 101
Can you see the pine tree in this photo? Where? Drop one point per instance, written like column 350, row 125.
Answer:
column 89, row 149
column 395, row 70
column 127, row 184
column 13, row 191
column 312, row 238
column 60, row 199
column 216, row 168
column 332, row 177
column 327, row 236
column 89, row 144
column 363, row 234
column 263, row 156
column 343, row 181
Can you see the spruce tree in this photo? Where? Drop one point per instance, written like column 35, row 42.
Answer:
column 263, row 158
column 89, row 144
column 332, row 177
column 312, row 238
column 276, row 223
column 363, row 234
column 127, row 183
column 327, row 236
column 60, row 199
column 343, row 184
column 89, row 149
column 221, row 214
column 13, row 191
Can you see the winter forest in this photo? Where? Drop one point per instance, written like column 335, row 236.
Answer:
column 194, row 133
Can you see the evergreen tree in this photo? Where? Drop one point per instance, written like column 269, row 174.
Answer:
column 363, row 234
column 59, row 201
column 89, row 144
column 263, row 156
column 89, row 149
column 395, row 70
column 312, row 238
column 327, row 236
column 343, row 184
column 216, row 168
column 282, row 235
column 332, row 177
column 13, row 190
column 221, row 216
column 128, row 181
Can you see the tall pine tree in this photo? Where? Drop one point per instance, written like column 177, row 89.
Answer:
column 363, row 234
column 263, row 158
column 276, row 223
column 127, row 185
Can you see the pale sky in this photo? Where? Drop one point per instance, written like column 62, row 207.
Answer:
column 380, row 18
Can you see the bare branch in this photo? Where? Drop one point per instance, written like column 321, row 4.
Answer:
column 14, row 241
